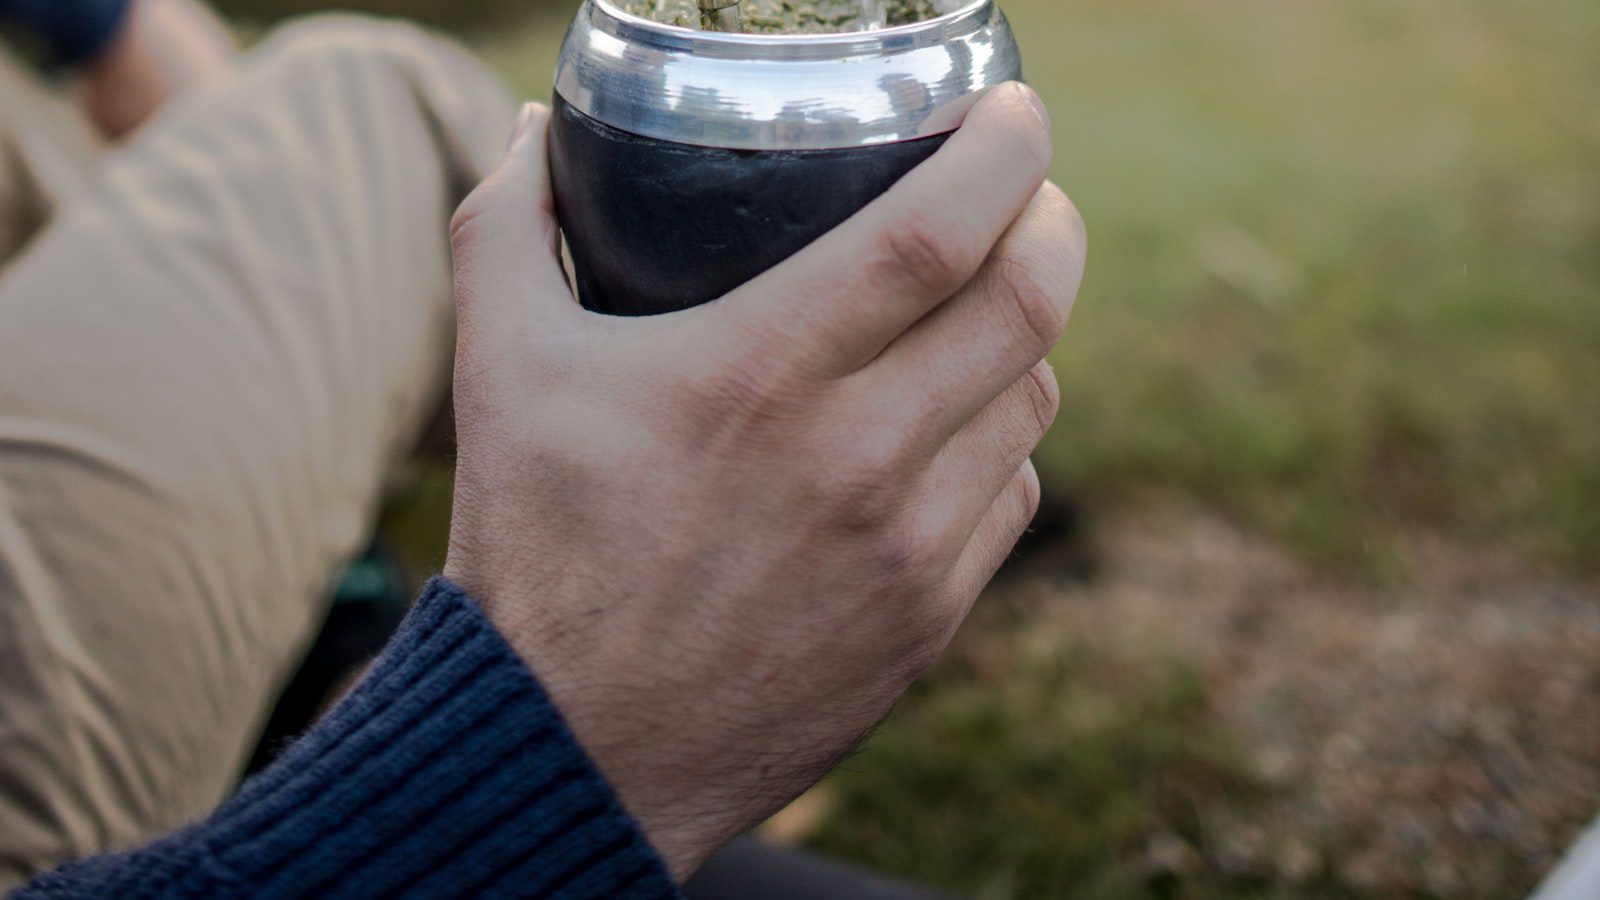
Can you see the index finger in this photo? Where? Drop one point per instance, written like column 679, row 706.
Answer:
column 843, row 299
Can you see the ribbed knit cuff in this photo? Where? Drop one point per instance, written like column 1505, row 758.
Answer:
column 446, row 773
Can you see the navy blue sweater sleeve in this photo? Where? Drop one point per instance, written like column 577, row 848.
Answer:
column 446, row 773
column 73, row 30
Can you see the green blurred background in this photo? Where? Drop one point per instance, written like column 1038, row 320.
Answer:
column 1315, row 613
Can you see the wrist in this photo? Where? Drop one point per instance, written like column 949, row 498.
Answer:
column 447, row 769
column 586, row 679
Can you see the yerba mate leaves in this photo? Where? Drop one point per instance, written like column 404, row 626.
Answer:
column 904, row 12
column 783, row 16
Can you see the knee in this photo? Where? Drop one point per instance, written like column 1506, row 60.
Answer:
column 344, row 39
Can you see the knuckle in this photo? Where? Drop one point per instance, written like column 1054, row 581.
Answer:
column 485, row 211
column 1041, row 398
column 1028, row 303
column 864, row 489
column 874, row 477
column 1030, row 495
column 869, row 479
column 908, row 556
column 858, row 508
column 465, row 222
column 934, row 251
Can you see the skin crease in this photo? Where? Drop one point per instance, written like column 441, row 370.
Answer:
column 728, row 539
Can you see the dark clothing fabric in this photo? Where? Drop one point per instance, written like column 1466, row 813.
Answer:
column 446, row 773
column 72, row 31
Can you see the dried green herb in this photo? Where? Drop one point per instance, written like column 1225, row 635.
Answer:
column 904, row 12
column 782, row 16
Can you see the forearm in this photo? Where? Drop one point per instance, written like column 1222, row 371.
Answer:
column 447, row 772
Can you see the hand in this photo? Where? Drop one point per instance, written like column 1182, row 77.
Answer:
column 166, row 47
column 727, row 539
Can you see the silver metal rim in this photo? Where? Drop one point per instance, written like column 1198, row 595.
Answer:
column 784, row 92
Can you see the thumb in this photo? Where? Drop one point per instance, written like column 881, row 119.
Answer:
column 506, row 243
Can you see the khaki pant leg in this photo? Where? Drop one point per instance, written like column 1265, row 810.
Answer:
column 208, row 361
column 48, row 149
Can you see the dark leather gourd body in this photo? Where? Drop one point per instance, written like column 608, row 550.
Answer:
column 656, row 226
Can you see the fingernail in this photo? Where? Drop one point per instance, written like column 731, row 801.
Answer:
column 523, row 117
column 1037, row 102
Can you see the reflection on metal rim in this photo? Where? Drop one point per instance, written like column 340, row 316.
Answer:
column 784, row 92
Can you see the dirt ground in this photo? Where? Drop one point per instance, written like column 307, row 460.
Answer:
column 1438, row 738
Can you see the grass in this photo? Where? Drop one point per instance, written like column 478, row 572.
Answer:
column 1345, row 259
column 1045, row 772
column 1345, row 263
column 1344, row 280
